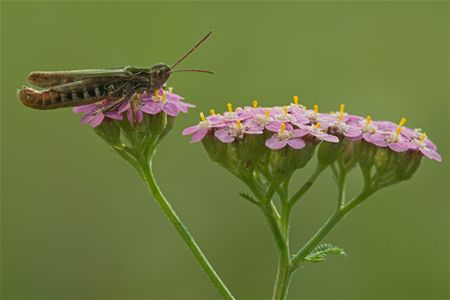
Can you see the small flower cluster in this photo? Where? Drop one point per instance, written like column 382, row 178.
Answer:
column 292, row 125
column 134, row 108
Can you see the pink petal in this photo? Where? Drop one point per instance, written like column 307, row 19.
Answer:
column 367, row 136
column 190, row 130
column 130, row 116
column 224, row 136
column 114, row 115
column 150, row 108
column 353, row 132
column 184, row 106
column 171, row 109
column 299, row 119
column 399, row 147
column 274, row 126
column 328, row 138
column 296, row 143
column 86, row 119
column 85, row 108
column 139, row 116
column 275, row 143
column 199, row 135
column 97, row 120
column 300, row 132
column 379, row 140
column 124, row 107
column 431, row 153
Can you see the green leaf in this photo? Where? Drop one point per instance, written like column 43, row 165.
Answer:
column 248, row 197
column 320, row 252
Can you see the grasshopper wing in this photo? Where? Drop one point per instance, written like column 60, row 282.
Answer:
column 50, row 79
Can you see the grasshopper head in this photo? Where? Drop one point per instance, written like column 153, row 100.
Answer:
column 159, row 74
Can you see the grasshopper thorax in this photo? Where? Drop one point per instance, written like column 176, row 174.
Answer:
column 159, row 74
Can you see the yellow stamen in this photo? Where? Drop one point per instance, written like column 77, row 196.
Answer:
column 296, row 100
column 423, row 137
column 156, row 93
column 341, row 112
column 267, row 112
column 368, row 120
column 399, row 127
column 255, row 103
column 238, row 123
column 283, row 127
column 230, row 107
column 164, row 96
column 316, row 109
column 317, row 125
column 285, row 110
column 202, row 117
column 212, row 112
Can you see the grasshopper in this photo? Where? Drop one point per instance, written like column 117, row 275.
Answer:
column 81, row 87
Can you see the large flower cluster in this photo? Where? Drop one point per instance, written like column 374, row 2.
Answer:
column 292, row 125
column 134, row 108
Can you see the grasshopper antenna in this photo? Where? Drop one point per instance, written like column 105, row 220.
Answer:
column 194, row 70
column 192, row 50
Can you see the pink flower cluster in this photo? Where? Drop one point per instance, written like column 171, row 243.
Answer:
column 134, row 108
column 290, row 125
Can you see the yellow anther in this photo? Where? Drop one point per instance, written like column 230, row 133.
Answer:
column 156, row 93
column 316, row 109
column 230, row 107
column 317, row 125
column 285, row 110
column 238, row 124
column 296, row 100
column 399, row 127
column 267, row 112
column 368, row 120
column 212, row 112
column 255, row 103
column 423, row 137
column 163, row 96
column 283, row 127
column 402, row 122
column 341, row 112
column 202, row 117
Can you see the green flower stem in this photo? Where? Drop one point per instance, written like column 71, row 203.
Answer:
column 145, row 169
column 341, row 185
column 307, row 185
column 285, row 268
column 328, row 226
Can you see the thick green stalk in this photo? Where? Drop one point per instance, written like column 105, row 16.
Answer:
column 149, row 178
column 285, row 269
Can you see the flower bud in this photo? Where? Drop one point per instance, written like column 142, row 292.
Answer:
column 328, row 152
column 285, row 161
column 365, row 154
column 109, row 131
column 348, row 155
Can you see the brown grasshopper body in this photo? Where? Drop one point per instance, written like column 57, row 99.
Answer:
column 81, row 87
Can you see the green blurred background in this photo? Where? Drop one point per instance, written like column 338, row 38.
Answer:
column 78, row 223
